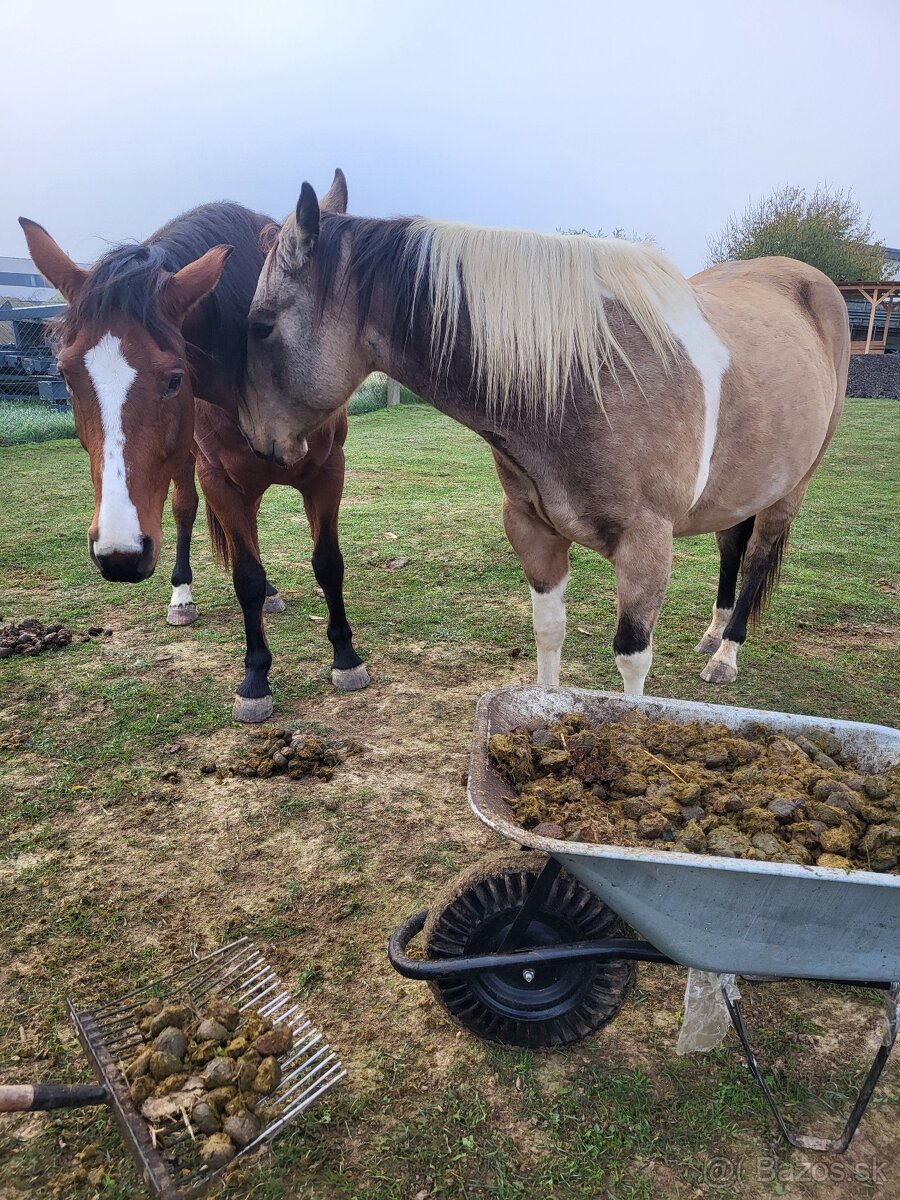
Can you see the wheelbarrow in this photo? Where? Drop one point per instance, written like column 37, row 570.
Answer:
column 533, row 949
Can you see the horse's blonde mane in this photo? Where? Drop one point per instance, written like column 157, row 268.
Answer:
column 537, row 306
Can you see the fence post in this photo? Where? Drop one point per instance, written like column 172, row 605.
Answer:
column 393, row 393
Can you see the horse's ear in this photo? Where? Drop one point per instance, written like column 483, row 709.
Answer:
column 335, row 199
column 307, row 221
column 187, row 287
column 52, row 261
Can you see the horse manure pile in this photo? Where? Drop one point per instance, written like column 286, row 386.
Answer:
column 700, row 789
column 287, row 752
column 32, row 637
column 215, row 1070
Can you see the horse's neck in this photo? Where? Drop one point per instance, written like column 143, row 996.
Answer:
column 448, row 390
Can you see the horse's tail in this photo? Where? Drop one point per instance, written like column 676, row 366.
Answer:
column 218, row 538
column 771, row 572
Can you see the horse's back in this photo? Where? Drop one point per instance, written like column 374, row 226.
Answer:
column 781, row 292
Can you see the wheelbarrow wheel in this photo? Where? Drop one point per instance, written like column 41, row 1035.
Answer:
column 550, row 1005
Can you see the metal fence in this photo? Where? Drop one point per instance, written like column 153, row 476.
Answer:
column 28, row 368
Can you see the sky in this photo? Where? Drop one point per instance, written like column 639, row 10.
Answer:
column 658, row 117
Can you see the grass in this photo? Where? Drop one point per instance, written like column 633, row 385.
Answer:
column 109, row 874
column 21, row 422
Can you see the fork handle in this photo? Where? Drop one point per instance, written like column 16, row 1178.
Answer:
column 38, row 1097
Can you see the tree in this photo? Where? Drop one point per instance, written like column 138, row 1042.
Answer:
column 826, row 228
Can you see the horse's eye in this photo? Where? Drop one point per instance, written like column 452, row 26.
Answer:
column 174, row 384
column 260, row 330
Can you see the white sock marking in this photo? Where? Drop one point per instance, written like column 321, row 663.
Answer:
column 721, row 617
column 727, row 653
column 634, row 669
column 118, row 527
column 549, row 615
column 710, row 359
column 181, row 595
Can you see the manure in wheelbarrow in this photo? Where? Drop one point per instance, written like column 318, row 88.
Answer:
column 699, row 788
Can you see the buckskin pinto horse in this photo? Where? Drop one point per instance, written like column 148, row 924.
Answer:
column 153, row 349
column 624, row 404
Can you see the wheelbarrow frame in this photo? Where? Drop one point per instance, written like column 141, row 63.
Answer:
column 874, row 746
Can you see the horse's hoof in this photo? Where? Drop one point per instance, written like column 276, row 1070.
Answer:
column 274, row 604
column 708, row 644
column 718, row 672
column 252, row 712
column 182, row 614
column 352, row 680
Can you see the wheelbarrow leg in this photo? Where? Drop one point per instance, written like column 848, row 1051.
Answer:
column 808, row 1141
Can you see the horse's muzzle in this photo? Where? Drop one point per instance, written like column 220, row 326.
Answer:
column 125, row 566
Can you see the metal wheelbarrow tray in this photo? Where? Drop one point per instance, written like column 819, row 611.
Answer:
column 724, row 915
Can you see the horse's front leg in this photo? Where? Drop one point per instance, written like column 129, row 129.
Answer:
column 643, row 563
column 544, row 556
column 182, row 609
column 236, row 513
column 321, row 499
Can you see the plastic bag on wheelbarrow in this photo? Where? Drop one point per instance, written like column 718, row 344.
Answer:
column 706, row 1019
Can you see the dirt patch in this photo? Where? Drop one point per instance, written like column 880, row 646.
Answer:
column 850, row 638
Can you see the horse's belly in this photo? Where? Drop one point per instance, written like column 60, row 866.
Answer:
column 765, row 480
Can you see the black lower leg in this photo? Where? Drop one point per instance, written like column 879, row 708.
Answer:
column 182, row 573
column 184, row 510
column 328, row 567
column 762, row 564
column 250, row 586
column 732, row 544
column 631, row 636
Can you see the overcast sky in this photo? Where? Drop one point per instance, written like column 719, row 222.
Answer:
column 656, row 116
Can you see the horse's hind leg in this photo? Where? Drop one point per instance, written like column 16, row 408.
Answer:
column 322, row 499
column 732, row 544
column 182, row 609
column 643, row 563
column 762, row 564
column 544, row 556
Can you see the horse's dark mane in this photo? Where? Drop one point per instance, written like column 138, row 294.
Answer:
column 127, row 280
column 378, row 252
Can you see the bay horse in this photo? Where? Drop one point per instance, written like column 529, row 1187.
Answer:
column 624, row 404
column 153, row 349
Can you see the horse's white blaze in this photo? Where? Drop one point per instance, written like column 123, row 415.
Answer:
column 118, row 527
column 721, row 617
column 181, row 595
column 548, row 611
column 634, row 669
column 710, row 359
